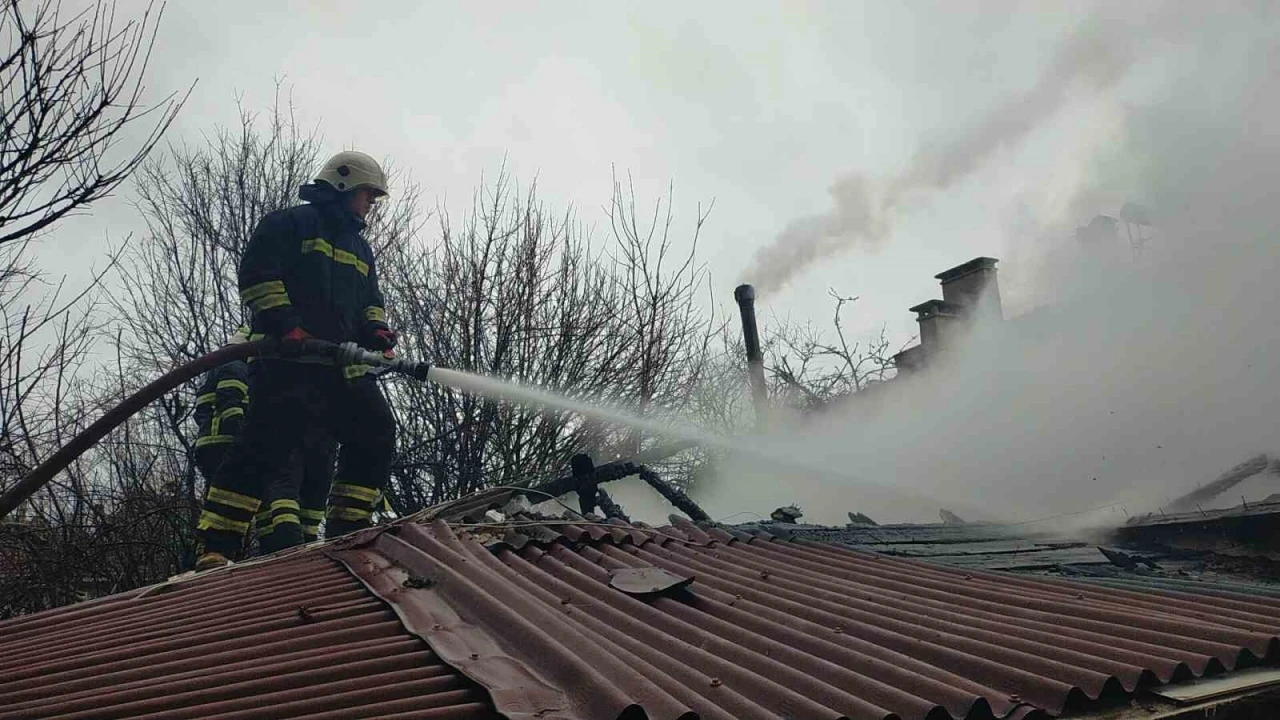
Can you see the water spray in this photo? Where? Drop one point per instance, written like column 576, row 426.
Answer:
column 757, row 447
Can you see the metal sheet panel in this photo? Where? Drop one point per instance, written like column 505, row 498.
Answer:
column 428, row 621
column 793, row 628
column 1194, row 691
column 294, row 637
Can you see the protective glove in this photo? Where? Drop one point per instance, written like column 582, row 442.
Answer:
column 384, row 339
column 291, row 342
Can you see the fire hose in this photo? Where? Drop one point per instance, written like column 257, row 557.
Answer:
column 311, row 350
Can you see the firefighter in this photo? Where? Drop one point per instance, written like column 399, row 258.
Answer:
column 307, row 271
column 220, row 407
column 300, row 498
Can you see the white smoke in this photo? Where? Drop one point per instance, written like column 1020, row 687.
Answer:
column 1093, row 59
column 1140, row 379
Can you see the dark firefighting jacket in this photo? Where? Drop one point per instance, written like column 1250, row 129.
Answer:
column 309, row 266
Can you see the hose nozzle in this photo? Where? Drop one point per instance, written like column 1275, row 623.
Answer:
column 349, row 353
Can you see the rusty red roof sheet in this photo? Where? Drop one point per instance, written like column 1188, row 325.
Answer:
column 585, row 621
column 772, row 628
column 296, row 637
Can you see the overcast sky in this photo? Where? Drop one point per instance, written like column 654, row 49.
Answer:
column 757, row 106
column 1006, row 125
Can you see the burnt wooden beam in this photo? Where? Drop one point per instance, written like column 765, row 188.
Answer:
column 674, row 495
column 610, row 508
column 587, row 485
column 610, row 472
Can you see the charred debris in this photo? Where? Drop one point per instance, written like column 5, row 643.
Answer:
column 1229, row 547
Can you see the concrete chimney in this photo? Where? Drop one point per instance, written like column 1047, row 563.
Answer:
column 939, row 323
column 971, row 290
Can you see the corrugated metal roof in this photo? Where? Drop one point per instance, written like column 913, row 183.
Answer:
column 295, row 637
column 551, row 619
column 796, row 629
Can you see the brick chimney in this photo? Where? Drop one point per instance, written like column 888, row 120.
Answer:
column 971, row 290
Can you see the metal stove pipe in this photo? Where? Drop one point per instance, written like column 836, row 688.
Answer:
column 745, row 295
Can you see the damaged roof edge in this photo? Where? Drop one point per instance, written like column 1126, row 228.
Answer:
column 527, row 668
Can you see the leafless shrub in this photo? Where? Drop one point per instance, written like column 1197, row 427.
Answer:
column 47, row 338
column 122, row 515
column 812, row 367
column 516, row 292
column 808, row 368
column 71, row 99
column 669, row 331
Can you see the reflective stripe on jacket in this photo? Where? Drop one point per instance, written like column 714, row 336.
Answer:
column 309, row 266
column 220, row 406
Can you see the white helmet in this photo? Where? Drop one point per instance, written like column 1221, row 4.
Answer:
column 350, row 169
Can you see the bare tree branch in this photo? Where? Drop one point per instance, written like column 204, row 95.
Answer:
column 71, row 92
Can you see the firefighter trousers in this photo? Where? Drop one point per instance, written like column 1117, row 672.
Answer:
column 292, row 402
column 304, row 494
column 301, row 494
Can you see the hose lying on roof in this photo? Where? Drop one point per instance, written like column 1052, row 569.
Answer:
column 313, row 350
